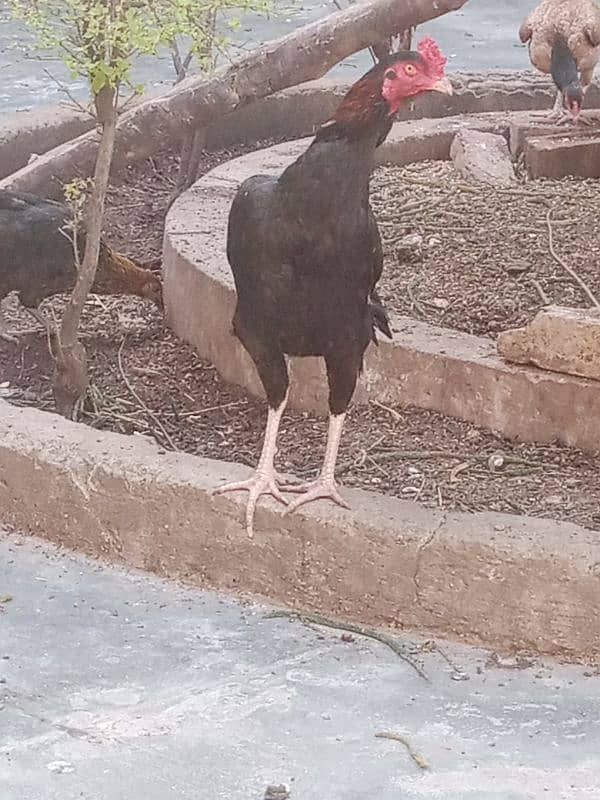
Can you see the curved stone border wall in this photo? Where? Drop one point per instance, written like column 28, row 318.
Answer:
column 425, row 366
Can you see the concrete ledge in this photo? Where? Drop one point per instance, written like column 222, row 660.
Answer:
column 555, row 157
column 37, row 131
column 502, row 581
column 425, row 366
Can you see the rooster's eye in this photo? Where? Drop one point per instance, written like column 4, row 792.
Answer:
column 390, row 75
column 410, row 69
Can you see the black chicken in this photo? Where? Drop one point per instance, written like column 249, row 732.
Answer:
column 37, row 258
column 306, row 256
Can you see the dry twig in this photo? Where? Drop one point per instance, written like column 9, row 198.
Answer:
column 579, row 281
column 419, row 760
column 139, row 399
column 313, row 618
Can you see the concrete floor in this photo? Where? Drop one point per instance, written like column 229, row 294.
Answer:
column 118, row 685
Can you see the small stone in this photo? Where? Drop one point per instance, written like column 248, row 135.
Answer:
column 553, row 500
column 496, row 462
column 277, row 792
column 483, row 157
column 60, row 767
column 517, row 267
column 409, row 248
column 440, row 302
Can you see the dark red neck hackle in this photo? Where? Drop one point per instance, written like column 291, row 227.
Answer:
column 361, row 99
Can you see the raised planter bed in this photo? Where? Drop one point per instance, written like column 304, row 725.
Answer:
column 425, row 366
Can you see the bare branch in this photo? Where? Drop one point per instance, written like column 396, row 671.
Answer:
column 303, row 55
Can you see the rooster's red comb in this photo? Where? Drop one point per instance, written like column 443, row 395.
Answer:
column 433, row 56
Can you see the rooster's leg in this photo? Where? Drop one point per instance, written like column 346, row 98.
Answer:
column 324, row 487
column 558, row 114
column 265, row 479
column 343, row 367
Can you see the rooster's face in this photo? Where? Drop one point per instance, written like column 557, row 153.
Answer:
column 410, row 74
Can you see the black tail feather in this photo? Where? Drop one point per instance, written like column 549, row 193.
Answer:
column 379, row 317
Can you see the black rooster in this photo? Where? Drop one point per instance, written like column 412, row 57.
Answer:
column 306, row 256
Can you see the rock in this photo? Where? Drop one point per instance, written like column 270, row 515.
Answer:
column 277, row 792
column 537, row 126
column 559, row 339
column 517, row 267
column 60, row 767
column 556, row 157
column 440, row 302
column 483, row 157
column 409, row 248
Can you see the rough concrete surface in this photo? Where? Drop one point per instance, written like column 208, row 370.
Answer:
column 537, row 126
column 556, row 157
column 496, row 579
column 425, row 366
column 36, row 132
column 483, row 157
column 118, row 685
column 560, row 339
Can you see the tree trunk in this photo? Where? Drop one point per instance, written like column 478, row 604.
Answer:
column 195, row 139
column 303, row 55
column 70, row 362
column 192, row 149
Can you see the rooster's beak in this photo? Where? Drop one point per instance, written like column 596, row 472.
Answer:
column 444, row 86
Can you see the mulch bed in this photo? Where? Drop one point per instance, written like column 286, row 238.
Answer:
column 147, row 382
column 478, row 259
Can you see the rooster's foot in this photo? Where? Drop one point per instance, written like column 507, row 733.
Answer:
column 320, row 489
column 261, row 483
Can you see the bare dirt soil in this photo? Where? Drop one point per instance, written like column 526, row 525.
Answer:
column 481, row 261
column 147, row 382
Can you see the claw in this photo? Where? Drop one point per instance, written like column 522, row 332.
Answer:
column 315, row 490
column 259, row 484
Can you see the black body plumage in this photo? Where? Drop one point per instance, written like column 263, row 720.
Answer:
column 306, row 256
column 33, row 247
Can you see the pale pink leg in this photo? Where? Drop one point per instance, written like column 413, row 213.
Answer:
column 324, row 487
column 264, row 480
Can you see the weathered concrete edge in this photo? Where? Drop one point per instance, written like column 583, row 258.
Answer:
column 289, row 114
column 502, row 581
column 34, row 132
column 426, row 366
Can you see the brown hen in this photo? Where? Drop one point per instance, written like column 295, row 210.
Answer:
column 564, row 41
